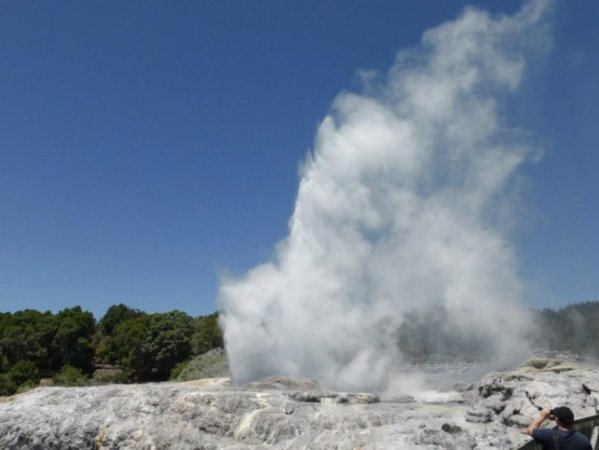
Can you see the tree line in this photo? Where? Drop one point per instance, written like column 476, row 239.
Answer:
column 70, row 344
column 573, row 328
column 425, row 336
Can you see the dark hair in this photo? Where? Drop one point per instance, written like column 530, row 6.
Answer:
column 564, row 415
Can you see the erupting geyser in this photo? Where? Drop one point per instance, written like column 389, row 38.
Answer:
column 402, row 207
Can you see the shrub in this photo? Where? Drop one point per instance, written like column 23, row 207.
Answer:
column 110, row 377
column 178, row 369
column 70, row 376
column 23, row 372
column 209, row 365
column 7, row 385
column 26, row 386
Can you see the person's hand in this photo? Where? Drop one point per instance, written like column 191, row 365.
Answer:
column 543, row 415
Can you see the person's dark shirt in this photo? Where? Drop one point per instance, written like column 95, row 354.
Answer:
column 568, row 440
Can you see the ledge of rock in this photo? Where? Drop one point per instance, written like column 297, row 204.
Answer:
column 283, row 413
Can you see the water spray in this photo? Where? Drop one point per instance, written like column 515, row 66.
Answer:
column 403, row 206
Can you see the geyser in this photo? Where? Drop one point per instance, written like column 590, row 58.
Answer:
column 402, row 209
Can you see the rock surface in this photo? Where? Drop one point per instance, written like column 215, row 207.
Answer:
column 282, row 413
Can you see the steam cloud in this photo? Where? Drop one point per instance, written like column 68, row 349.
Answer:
column 401, row 208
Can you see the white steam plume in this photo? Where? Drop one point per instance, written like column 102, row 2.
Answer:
column 397, row 211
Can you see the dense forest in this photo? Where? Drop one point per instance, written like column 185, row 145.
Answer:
column 68, row 346
column 71, row 345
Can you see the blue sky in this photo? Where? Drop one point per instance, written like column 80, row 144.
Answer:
column 148, row 147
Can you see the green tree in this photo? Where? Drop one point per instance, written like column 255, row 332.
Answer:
column 155, row 344
column 115, row 315
column 7, row 385
column 105, row 342
column 27, row 335
column 72, row 343
column 24, row 371
column 127, row 340
column 208, row 334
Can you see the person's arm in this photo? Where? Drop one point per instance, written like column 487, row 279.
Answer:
column 536, row 424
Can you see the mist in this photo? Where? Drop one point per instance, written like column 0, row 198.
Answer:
column 404, row 209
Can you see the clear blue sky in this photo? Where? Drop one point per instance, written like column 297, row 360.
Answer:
column 146, row 147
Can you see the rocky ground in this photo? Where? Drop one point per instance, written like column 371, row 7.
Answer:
column 280, row 413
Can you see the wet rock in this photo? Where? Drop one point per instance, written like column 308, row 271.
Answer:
column 363, row 397
column 517, row 377
column 542, row 363
column 404, row 398
column 495, row 386
column 312, row 396
column 442, row 439
column 451, row 429
column 284, row 383
column 478, row 415
column 335, row 397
